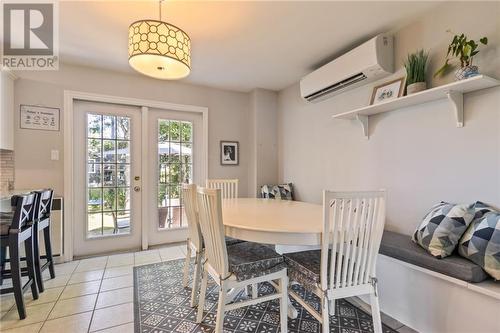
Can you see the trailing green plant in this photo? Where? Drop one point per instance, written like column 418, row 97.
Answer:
column 416, row 66
column 462, row 49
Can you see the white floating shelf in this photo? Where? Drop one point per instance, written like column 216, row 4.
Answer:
column 453, row 92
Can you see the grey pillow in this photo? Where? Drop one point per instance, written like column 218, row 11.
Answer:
column 442, row 228
column 481, row 242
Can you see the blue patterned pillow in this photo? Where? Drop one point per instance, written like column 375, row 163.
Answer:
column 442, row 228
column 281, row 191
column 481, row 242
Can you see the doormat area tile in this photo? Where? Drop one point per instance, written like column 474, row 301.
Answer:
column 161, row 305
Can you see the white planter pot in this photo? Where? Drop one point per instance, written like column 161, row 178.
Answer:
column 416, row 87
column 466, row 72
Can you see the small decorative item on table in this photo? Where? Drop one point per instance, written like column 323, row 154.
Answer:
column 388, row 91
column 416, row 65
column 229, row 153
column 463, row 49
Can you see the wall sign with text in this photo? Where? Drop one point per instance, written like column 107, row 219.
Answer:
column 39, row 117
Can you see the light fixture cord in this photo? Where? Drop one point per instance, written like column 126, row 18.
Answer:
column 159, row 7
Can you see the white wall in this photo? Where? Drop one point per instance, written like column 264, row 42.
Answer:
column 417, row 154
column 264, row 139
column 228, row 118
column 6, row 110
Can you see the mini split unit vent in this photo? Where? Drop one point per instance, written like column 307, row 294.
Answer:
column 368, row 62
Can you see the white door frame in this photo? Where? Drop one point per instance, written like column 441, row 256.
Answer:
column 69, row 99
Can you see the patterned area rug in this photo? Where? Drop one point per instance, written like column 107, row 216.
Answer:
column 162, row 305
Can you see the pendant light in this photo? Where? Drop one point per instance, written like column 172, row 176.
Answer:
column 159, row 49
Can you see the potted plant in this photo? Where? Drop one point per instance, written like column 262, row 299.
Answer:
column 416, row 66
column 464, row 50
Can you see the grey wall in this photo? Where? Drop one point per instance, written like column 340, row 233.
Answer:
column 264, row 139
column 417, row 154
column 228, row 118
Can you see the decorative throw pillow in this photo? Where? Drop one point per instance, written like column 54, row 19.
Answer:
column 441, row 229
column 281, row 191
column 481, row 242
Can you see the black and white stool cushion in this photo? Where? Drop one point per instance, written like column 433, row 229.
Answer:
column 249, row 260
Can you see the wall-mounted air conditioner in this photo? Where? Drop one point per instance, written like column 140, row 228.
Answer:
column 368, row 62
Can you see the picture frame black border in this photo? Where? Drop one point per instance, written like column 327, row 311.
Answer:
column 237, row 144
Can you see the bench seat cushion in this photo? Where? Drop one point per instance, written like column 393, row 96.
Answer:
column 401, row 247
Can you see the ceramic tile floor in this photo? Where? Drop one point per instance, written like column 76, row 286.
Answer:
column 96, row 295
column 88, row 295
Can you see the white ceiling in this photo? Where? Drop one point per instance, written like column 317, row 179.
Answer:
column 235, row 45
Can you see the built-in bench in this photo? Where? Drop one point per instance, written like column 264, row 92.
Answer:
column 401, row 247
column 434, row 295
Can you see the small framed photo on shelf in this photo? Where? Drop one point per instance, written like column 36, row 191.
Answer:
column 229, row 153
column 388, row 91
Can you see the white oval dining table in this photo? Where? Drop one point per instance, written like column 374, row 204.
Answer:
column 279, row 222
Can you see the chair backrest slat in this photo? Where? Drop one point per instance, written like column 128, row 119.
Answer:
column 212, row 229
column 352, row 231
column 354, row 246
column 191, row 209
column 228, row 187
column 24, row 211
column 44, row 203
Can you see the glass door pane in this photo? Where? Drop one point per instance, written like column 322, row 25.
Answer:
column 175, row 141
column 108, row 175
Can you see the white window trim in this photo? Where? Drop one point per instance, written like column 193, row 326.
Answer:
column 69, row 98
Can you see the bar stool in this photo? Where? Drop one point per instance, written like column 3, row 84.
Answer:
column 13, row 232
column 42, row 223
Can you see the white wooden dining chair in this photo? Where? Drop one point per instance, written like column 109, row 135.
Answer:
column 194, row 241
column 237, row 266
column 229, row 187
column 345, row 265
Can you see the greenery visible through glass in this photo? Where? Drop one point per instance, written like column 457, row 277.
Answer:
column 175, row 166
column 108, row 175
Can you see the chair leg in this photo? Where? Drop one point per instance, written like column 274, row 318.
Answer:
column 3, row 257
column 377, row 323
column 28, row 246
column 16, row 277
column 36, row 260
column 48, row 251
column 219, row 325
column 247, row 290
column 196, row 280
column 284, row 304
column 185, row 278
column 255, row 290
column 325, row 314
column 203, row 292
column 331, row 307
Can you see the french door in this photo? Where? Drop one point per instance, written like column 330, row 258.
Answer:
column 175, row 141
column 107, row 168
column 114, row 208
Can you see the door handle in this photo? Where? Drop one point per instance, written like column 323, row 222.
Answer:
column 137, row 188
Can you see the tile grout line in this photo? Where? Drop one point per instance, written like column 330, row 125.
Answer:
column 98, row 292
column 58, row 297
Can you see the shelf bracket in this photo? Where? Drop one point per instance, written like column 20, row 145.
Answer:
column 457, row 101
column 363, row 120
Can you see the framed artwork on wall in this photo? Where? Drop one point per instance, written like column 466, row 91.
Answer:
column 39, row 118
column 229, row 153
column 388, row 91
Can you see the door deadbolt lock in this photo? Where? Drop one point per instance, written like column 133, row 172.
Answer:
column 137, row 178
column 137, row 188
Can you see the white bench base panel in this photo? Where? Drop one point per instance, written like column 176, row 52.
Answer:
column 429, row 302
